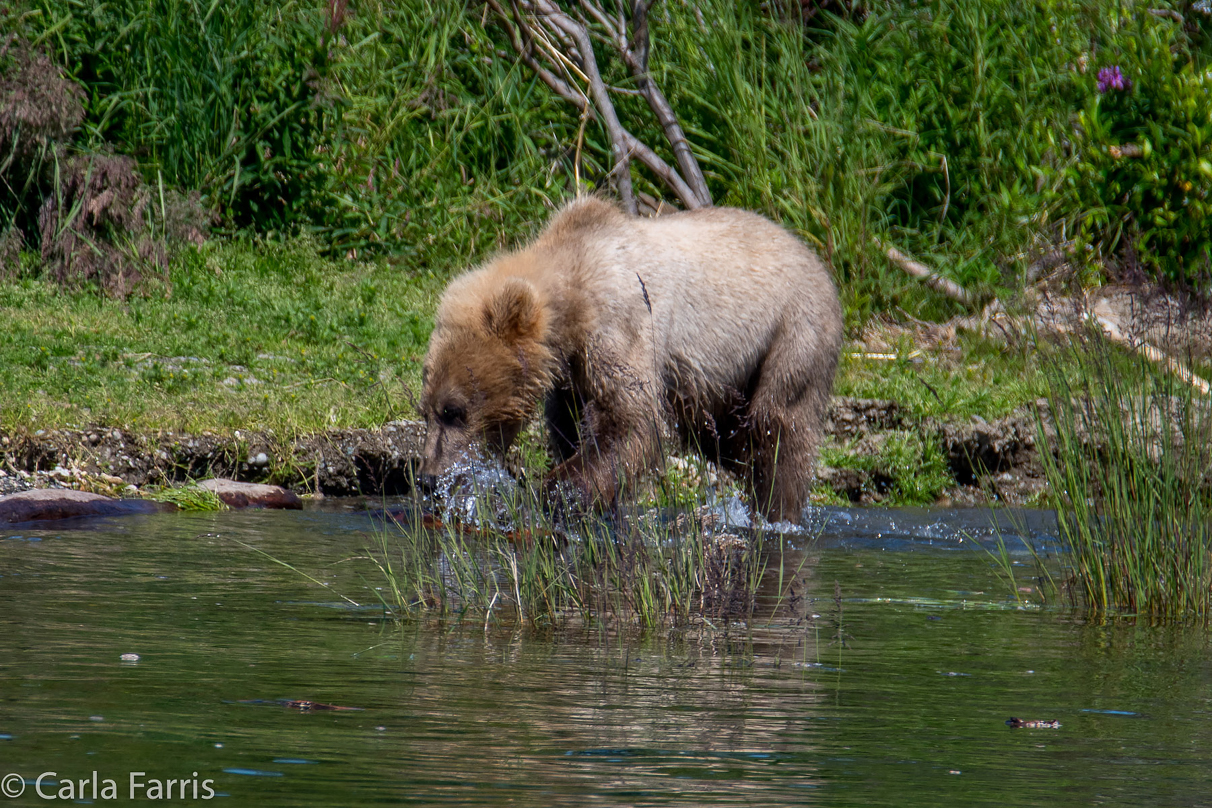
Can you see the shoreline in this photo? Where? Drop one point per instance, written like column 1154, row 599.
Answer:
column 989, row 461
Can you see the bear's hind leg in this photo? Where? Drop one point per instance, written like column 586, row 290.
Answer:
column 781, row 457
column 785, row 420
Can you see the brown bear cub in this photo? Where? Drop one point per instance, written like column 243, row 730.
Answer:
column 715, row 326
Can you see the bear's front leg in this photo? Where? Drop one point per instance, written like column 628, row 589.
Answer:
column 619, row 441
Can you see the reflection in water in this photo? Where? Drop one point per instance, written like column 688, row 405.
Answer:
column 885, row 678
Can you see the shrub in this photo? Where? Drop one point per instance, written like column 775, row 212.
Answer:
column 1143, row 171
column 89, row 212
column 99, row 223
column 40, row 112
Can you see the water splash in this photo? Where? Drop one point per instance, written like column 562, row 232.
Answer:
column 478, row 491
column 731, row 511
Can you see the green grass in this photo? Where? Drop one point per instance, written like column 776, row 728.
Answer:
column 913, row 463
column 945, row 128
column 272, row 335
column 1131, row 478
column 186, row 498
column 981, row 377
column 246, row 335
column 643, row 571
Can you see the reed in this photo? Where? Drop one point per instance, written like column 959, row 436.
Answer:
column 186, row 498
column 1130, row 470
column 506, row 558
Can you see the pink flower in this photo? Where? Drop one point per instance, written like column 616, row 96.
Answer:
column 1112, row 78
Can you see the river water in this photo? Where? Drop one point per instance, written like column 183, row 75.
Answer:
column 888, row 682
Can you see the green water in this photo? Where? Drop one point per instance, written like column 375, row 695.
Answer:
column 908, row 710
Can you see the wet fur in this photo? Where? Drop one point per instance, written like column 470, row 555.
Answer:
column 715, row 327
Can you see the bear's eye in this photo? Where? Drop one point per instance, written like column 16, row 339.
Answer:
column 452, row 415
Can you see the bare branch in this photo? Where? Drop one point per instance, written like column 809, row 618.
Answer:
column 693, row 191
column 639, row 33
column 603, row 20
column 665, row 171
column 1167, row 13
column 551, row 41
column 601, row 99
column 525, row 50
column 637, row 60
column 1126, row 150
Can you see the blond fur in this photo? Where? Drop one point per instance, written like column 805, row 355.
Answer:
column 715, row 326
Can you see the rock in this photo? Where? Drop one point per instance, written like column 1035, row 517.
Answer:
column 44, row 504
column 980, row 448
column 251, row 495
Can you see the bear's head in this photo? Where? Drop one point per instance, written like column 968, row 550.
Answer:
column 487, row 366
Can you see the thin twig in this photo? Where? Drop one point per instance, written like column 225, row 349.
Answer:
column 1167, row 13
column 1126, row 150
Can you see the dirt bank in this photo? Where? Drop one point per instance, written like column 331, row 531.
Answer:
column 342, row 462
column 987, row 459
column 995, row 458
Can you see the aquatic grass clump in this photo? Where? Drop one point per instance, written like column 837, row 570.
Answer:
column 503, row 556
column 186, row 498
column 1130, row 468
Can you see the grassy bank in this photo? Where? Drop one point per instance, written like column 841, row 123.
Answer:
column 253, row 335
column 272, row 335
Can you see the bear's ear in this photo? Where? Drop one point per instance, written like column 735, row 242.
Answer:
column 514, row 313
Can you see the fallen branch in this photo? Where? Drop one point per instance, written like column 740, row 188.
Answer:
column 1154, row 354
column 923, row 273
column 1167, row 13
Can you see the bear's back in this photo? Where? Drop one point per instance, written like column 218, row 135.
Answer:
column 709, row 289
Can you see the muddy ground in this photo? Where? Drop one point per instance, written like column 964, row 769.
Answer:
column 988, row 459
